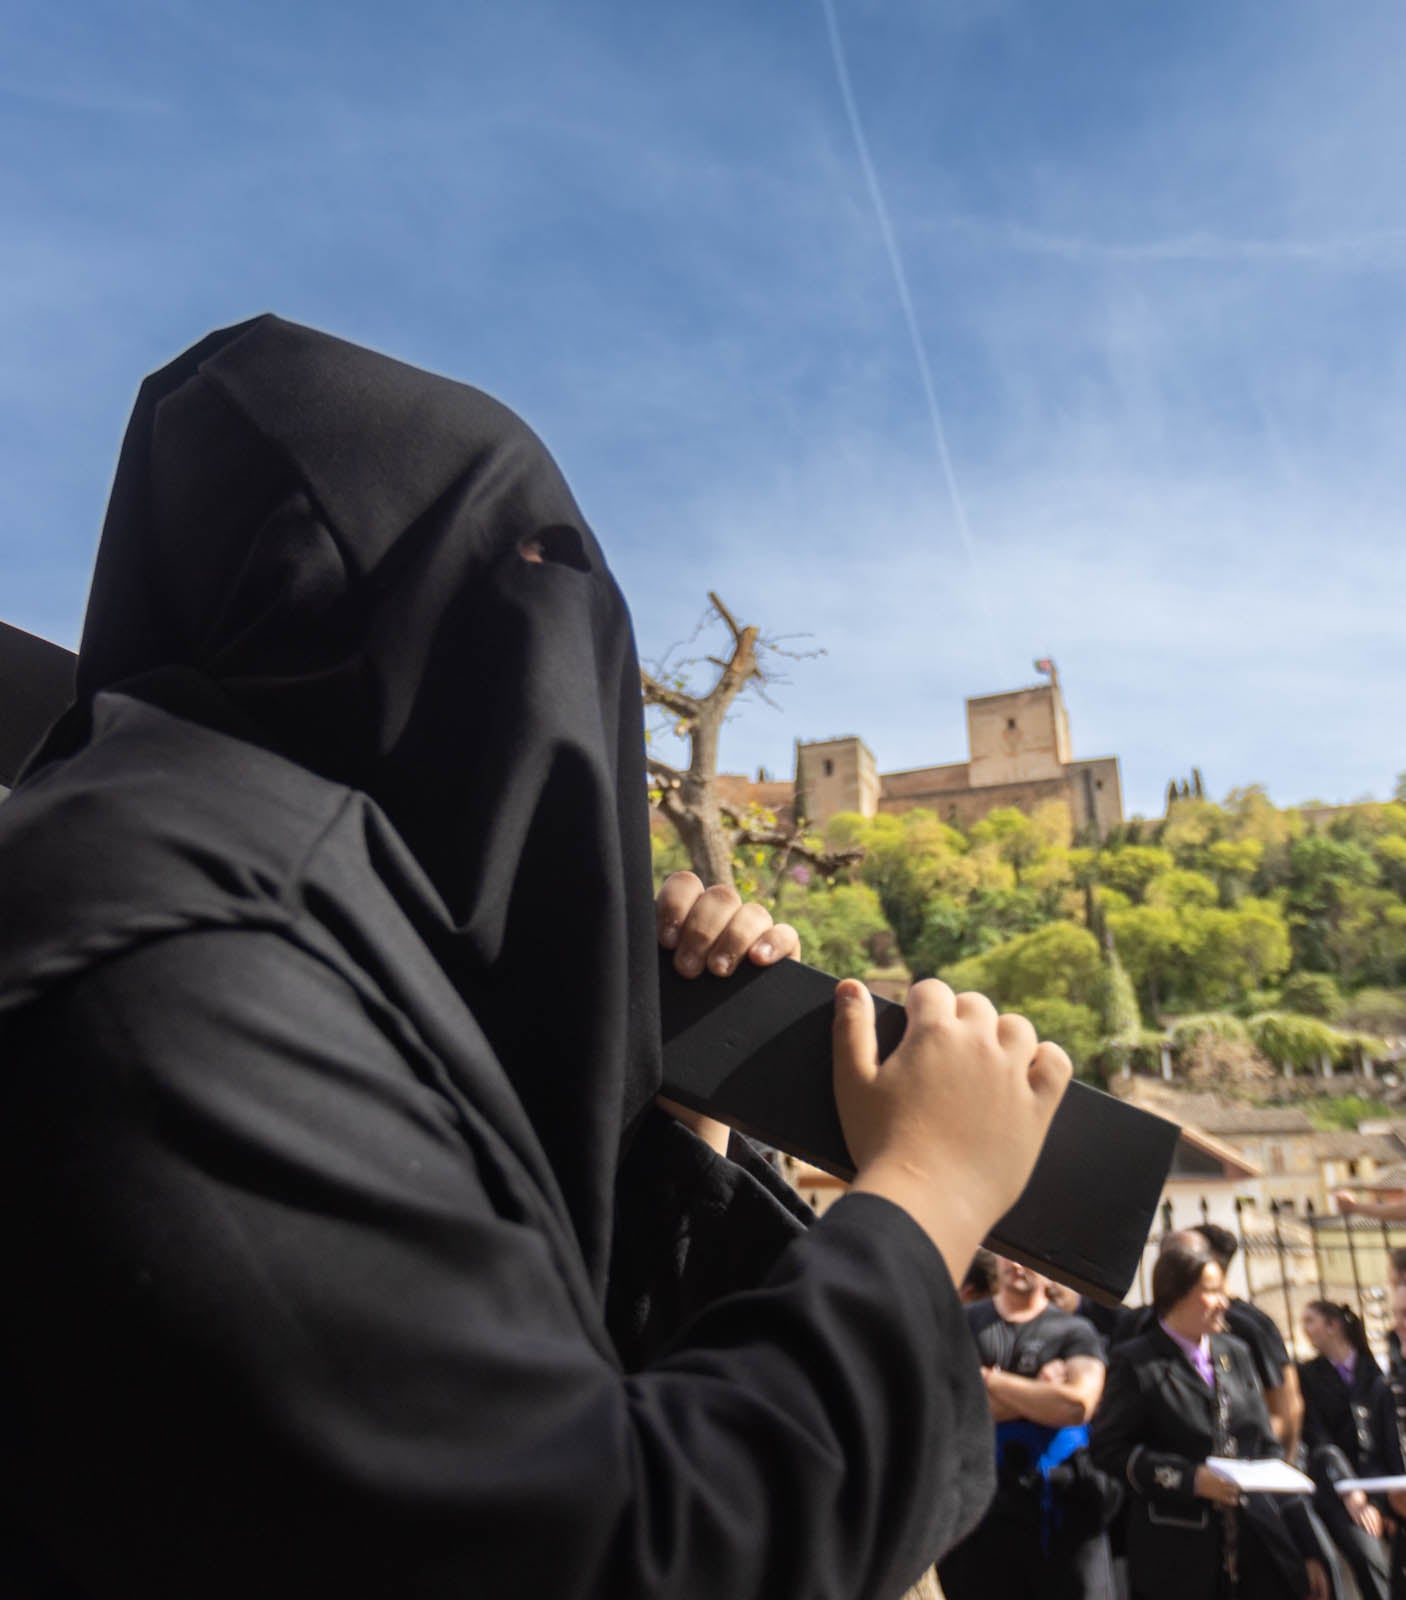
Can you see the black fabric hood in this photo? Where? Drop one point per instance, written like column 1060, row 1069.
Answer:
column 326, row 544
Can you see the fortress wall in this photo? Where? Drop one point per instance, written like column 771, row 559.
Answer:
column 965, row 806
column 924, row 781
column 1106, row 784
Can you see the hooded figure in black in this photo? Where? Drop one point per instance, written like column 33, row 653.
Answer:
column 346, row 1251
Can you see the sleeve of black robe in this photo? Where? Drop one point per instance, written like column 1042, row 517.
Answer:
column 690, row 1227
column 269, row 1334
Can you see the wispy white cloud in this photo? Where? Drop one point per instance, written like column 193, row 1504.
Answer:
column 1378, row 247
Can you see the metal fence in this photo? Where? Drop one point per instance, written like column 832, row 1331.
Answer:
column 1287, row 1259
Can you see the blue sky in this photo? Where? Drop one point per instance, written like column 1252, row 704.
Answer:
column 1155, row 258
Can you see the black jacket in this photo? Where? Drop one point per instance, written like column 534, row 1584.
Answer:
column 1157, row 1423
column 1348, row 1432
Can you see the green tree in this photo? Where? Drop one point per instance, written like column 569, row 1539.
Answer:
column 1150, row 943
column 1376, row 1011
column 908, row 860
column 1116, row 1010
column 1391, row 860
column 1366, row 940
column 1191, row 828
column 1130, row 868
column 839, row 926
column 1060, row 961
column 1214, row 1024
column 1228, row 953
column 1115, row 1002
column 1312, row 994
column 1294, row 1041
column 1181, row 888
column 1070, row 1025
column 954, row 929
column 1324, row 873
column 1234, row 863
column 1011, row 835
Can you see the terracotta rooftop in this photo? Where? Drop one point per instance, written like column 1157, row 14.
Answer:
column 1199, row 1139
column 1349, row 1146
column 1214, row 1113
column 1262, row 1119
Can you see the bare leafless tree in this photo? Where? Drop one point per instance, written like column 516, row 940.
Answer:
column 711, row 828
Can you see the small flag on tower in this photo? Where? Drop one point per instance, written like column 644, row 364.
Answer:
column 1044, row 664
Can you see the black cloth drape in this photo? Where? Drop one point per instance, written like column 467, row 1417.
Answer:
column 326, row 543
column 327, row 1008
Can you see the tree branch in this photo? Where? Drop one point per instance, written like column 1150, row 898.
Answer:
column 788, row 839
column 733, row 626
column 676, row 700
column 826, row 862
column 666, row 776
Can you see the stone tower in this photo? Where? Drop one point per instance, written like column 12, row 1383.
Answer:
column 836, row 775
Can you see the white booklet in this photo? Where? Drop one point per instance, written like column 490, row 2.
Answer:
column 1370, row 1485
column 1270, row 1476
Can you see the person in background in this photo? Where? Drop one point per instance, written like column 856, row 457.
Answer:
column 1105, row 1320
column 1349, row 1431
column 1278, row 1378
column 1395, row 1277
column 980, row 1281
column 1378, row 1210
column 1277, row 1373
column 1396, row 1361
column 1396, row 1384
column 1044, row 1534
column 1177, row 1394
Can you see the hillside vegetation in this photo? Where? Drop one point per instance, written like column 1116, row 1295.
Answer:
column 1239, row 935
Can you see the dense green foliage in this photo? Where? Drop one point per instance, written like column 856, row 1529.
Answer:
column 1219, row 908
column 1293, row 929
column 1341, row 1113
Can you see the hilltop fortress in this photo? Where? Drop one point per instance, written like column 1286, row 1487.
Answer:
column 1018, row 754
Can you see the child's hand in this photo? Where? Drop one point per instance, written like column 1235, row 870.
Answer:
column 949, row 1126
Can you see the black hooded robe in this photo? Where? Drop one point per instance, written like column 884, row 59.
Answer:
column 326, row 1014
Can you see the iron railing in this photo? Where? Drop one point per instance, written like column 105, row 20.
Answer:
column 1287, row 1259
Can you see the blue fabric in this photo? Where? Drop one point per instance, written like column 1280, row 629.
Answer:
column 1044, row 1449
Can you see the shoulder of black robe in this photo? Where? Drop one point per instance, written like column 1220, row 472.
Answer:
column 284, row 1255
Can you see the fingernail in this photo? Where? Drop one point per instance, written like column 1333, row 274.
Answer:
column 690, row 965
column 766, row 950
column 847, row 994
column 669, row 935
column 722, row 965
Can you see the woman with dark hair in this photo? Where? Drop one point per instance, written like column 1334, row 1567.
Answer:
column 1177, row 1394
column 348, row 1251
column 1349, row 1431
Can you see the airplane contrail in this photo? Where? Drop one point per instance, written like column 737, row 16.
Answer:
column 900, row 278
